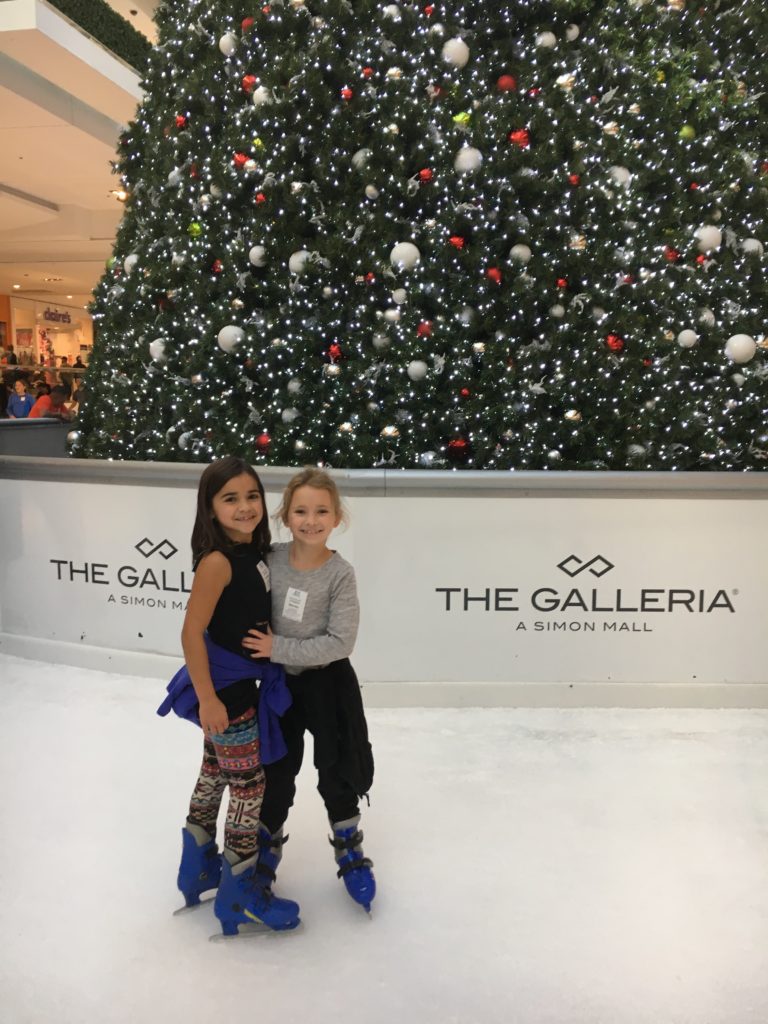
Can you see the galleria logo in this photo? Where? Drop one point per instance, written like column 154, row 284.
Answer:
column 550, row 599
column 136, row 578
column 573, row 565
column 148, row 548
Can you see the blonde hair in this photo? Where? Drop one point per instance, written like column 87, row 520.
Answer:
column 311, row 476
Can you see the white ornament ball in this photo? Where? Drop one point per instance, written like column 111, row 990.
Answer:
column 740, row 348
column 258, row 256
column 331, row 369
column 392, row 11
column 738, row 379
column 687, row 339
column 400, row 296
column 327, row 292
column 380, row 341
column 427, row 459
column 293, row 386
column 557, row 311
column 229, row 337
column 228, row 44
column 360, row 158
column 708, row 237
column 371, row 192
column 179, row 259
column 261, row 96
column 520, row 253
column 620, row 175
column 456, row 52
column 572, row 32
column 175, row 176
column 546, row 40
column 289, row 415
column 467, row 315
column 297, row 261
column 438, row 29
column 216, row 191
column 707, row 317
column 183, row 441
column 404, row 256
column 598, row 314
column 250, row 166
column 417, row 369
column 157, row 350
column 750, row 246
column 468, row 160
column 130, row 262
column 392, row 315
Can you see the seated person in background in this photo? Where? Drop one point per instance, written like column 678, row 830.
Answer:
column 51, row 405
column 79, row 363
column 20, row 404
column 64, row 361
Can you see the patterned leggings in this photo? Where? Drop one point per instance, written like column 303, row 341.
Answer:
column 232, row 759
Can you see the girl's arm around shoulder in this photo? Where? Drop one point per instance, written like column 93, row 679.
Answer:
column 212, row 575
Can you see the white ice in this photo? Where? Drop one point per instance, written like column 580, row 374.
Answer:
column 534, row 867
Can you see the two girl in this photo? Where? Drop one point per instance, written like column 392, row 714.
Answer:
column 314, row 605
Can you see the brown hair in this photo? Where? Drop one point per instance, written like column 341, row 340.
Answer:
column 207, row 534
column 311, row 476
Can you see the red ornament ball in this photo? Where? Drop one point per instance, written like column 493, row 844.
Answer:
column 429, row 10
column 346, row 93
column 520, row 137
column 701, row 258
column 181, row 121
column 534, row 92
column 614, row 342
column 562, row 282
column 263, row 441
column 693, row 186
column 506, row 83
column 493, row 274
column 193, row 171
column 367, row 72
column 260, row 198
column 647, row 362
column 574, row 179
column 249, row 83
column 247, row 23
column 457, row 241
column 334, row 352
column 465, row 392
column 217, row 266
column 426, row 174
column 458, row 449
column 671, row 255
column 239, row 160
column 370, row 277
column 424, row 330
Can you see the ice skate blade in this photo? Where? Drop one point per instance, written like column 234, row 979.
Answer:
column 194, row 906
column 254, row 931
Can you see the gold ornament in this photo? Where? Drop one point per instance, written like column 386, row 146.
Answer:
column 332, row 370
column 390, row 432
column 612, row 128
column 258, row 143
column 661, row 76
column 669, row 335
column 478, row 347
column 676, row 5
column 573, row 416
column 395, row 73
column 463, row 118
column 345, row 428
column 635, row 108
column 236, row 304
column 392, row 129
column 567, row 81
column 578, row 242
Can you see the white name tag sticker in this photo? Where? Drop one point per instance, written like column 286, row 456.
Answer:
column 295, row 602
column 264, row 570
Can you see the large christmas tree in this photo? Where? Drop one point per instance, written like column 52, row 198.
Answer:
column 485, row 235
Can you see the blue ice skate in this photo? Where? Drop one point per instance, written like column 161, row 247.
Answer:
column 354, row 868
column 243, row 899
column 200, row 868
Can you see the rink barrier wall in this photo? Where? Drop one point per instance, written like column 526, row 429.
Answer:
column 477, row 589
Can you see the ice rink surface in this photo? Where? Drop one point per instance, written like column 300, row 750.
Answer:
column 534, row 867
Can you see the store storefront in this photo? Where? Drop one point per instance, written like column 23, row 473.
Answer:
column 44, row 333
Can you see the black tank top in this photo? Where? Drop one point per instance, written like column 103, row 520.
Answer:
column 245, row 601
column 244, row 604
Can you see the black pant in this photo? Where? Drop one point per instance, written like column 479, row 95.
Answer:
column 314, row 708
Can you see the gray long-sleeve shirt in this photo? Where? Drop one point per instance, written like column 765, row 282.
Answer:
column 315, row 613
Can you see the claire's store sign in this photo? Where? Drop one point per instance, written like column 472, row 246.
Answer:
column 149, row 579
column 588, row 605
column 57, row 316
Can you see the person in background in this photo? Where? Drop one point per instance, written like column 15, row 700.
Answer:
column 51, row 406
column 20, row 404
column 64, row 361
column 10, row 357
column 78, row 363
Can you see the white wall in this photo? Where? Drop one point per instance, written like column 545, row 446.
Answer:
column 516, row 596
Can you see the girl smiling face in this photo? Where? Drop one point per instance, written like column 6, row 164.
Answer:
column 238, row 508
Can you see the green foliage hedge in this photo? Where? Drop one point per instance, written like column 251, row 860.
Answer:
column 112, row 30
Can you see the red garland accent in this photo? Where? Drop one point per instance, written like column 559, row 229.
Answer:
column 614, row 342
column 239, row 160
column 671, row 255
column 457, row 241
column 424, row 330
column 520, row 137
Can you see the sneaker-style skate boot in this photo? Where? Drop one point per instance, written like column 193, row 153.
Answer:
column 270, row 855
column 242, row 899
column 200, row 868
column 353, row 867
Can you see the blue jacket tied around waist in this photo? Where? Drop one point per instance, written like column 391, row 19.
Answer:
column 227, row 668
